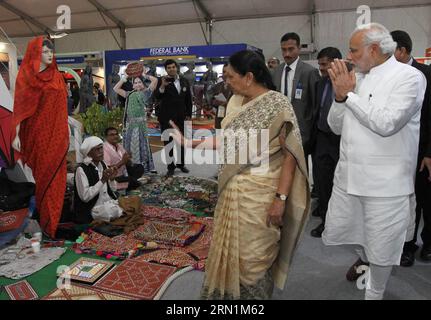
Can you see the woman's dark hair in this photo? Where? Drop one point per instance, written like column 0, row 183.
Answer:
column 248, row 61
column 140, row 77
column 48, row 44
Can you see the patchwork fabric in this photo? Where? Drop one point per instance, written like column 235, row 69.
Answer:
column 194, row 254
column 21, row 290
column 116, row 248
column 136, row 279
column 174, row 229
column 79, row 292
column 165, row 214
column 173, row 257
column 169, row 233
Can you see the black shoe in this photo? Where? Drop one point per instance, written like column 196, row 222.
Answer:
column 426, row 253
column 407, row 258
column 184, row 169
column 316, row 212
column 170, row 172
column 353, row 274
column 317, row 232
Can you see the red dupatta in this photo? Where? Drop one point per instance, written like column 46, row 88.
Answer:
column 40, row 108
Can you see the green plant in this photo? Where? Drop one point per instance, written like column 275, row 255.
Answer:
column 97, row 118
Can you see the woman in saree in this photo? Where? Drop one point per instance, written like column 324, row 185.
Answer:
column 261, row 210
column 135, row 122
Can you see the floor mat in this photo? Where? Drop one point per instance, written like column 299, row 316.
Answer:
column 80, row 292
column 21, row 290
column 136, row 279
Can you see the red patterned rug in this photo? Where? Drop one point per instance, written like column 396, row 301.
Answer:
column 136, row 279
column 21, row 290
column 164, row 214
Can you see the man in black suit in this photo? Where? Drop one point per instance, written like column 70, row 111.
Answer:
column 297, row 80
column 423, row 172
column 174, row 94
column 326, row 143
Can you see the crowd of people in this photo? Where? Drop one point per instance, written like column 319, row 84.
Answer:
column 353, row 124
column 364, row 122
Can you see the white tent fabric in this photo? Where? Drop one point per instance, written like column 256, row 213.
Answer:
column 96, row 24
column 5, row 97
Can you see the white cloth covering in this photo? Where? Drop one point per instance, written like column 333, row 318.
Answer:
column 379, row 126
column 378, row 277
column 379, row 225
column 88, row 144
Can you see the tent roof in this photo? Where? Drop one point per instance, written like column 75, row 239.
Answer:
column 28, row 17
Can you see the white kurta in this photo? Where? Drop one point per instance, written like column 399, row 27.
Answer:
column 379, row 126
column 86, row 193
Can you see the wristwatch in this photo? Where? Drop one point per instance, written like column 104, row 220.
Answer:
column 282, row 197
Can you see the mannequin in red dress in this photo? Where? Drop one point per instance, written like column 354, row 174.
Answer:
column 41, row 134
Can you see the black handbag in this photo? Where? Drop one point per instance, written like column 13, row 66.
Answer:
column 15, row 195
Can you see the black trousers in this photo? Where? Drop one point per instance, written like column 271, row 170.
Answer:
column 171, row 164
column 326, row 155
column 423, row 208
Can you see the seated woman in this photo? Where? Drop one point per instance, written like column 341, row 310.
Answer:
column 92, row 188
column 261, row 210
column 135, row 122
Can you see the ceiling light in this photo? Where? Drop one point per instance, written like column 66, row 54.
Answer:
column 58, row 35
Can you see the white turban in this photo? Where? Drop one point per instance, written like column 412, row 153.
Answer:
column 88, row 144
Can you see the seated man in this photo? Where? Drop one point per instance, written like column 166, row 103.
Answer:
column 92, row 189
column 114, row 155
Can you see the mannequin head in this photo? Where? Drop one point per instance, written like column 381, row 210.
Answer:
column 209, row 66
column 47, row 54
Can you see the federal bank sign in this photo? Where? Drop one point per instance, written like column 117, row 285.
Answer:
column 170, row 51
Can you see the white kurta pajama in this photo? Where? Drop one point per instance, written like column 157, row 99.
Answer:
column 379, row 125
